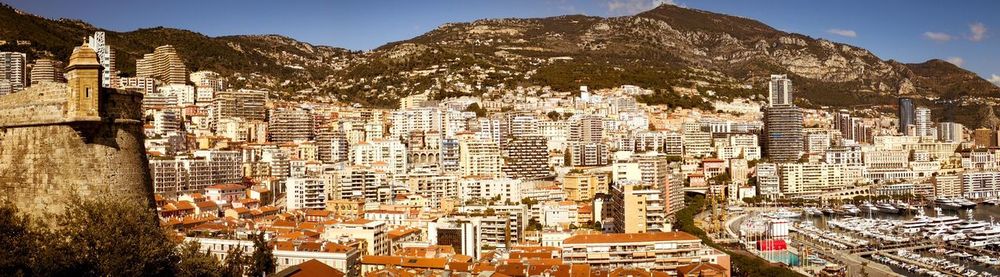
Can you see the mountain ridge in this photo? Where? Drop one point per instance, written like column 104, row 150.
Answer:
column 668, row 49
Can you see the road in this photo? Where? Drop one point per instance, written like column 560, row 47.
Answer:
column 853, row 262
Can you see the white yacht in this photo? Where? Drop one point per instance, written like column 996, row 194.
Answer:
column 970, row 225
column 812, row 211
column 966, row 203
column 850, row 209
column 986, row 236
column 903, row 207
column 869, row 207
column 784, row 213
column 947, row 203
column 828, row 211
column 914, row 225
column 944, row 221
column 887, row 208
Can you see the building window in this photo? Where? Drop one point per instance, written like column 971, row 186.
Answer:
column 88, row 92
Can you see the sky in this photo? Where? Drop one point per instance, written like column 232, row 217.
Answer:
column 962, row 32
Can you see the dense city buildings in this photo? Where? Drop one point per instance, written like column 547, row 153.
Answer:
column 459, row 178
column 13, row 77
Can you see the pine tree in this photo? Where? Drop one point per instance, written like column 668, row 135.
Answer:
column 262, row 261
column 235, row 263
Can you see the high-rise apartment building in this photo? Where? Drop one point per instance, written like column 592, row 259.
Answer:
column 106, row 57
column 783, row 138
column 480, row 158
column 588, row 154
column 46, row 71
column 950, row 132
column 637, row 208
column 779, row 90
column 587, row 130
column 163, row 64
column 357, row 182
column 905, row 114
column 697, row 142
column 13, row 77
column 527, row 157
column 381, row 154
column 145, row 85
column 246, row 104
column 450, row 155
column 332, row 144
column 922, row 121
column 306, row 193
column 290, row 124
column 208, row 79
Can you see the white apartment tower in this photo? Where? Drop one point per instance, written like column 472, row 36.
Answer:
column 780, row 90
column 12, row 72
column 106, row 57
column 922, row 120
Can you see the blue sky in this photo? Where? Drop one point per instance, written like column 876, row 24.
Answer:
column 964, row 32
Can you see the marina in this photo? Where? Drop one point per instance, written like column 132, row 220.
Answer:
column 943, row 237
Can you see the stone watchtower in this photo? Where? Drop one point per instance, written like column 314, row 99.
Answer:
column 84, row 79
column 59, row 140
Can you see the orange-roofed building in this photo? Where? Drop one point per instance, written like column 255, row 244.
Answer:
column 318, row 215
column 311, row 268
column 346, row 208
column 225, row 192
column 702, row 270
column 659, row 251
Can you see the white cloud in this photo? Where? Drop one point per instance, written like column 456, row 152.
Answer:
column 842, row 32
column 978, row 31
column 995, row 79
column 958, row 61
column 935, row 36
column 629, row 7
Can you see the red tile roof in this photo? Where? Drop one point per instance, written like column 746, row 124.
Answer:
column 629, row 238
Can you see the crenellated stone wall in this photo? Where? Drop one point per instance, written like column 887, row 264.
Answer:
column 45, row 156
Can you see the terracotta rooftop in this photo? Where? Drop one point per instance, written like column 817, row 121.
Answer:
column 230, row 186
column 629, row 238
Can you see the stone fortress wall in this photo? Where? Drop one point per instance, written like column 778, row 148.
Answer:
column 41, row 104
column 48, row 157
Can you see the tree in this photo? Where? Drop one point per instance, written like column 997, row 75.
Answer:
column 474, row 107
column 195, row 263
column 262, row 261
column 553, row 115
column 97, row 237
column 528, row 201
column 107, row 236
column 18, row 240
column 534, row 225
column 235, row 263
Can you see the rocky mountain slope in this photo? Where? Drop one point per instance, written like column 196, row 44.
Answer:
column 664, row 48
column 262, row 60
column 669, row 49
